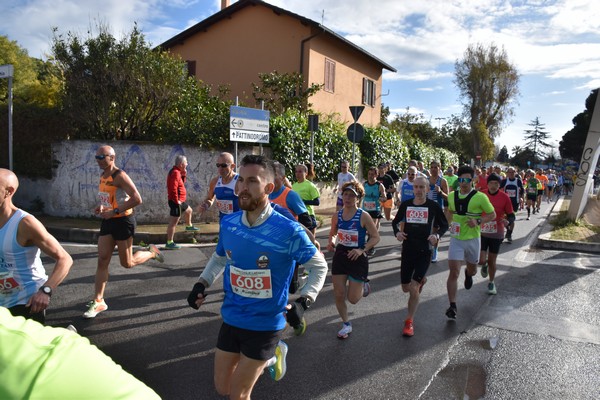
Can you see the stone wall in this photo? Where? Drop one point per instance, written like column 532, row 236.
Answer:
column 72, row 192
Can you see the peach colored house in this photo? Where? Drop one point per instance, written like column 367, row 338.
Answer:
column 250, row 37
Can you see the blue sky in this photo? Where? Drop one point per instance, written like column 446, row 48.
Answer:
column 554, row 44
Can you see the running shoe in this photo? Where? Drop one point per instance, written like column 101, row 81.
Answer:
column 528, row 218
column 95, row 308
column 468, row 281
column 366, row 289
column 345, row 331
column 408, row 328
column 423, row 282
column 300, row 329
column 434, row 255
column 278, row 369
column 157, row 255
column 484, row 270
column 191, row 228
column 451, row 313
column 509, row 239
column 172, row 246
column 492, row 288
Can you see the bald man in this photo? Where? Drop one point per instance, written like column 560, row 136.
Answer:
column 117, row 196
column 25, row 289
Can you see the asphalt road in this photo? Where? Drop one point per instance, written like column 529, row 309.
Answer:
column 539, row 338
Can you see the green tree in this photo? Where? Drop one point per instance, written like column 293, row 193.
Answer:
column 196, row 117
column 571, row 145
column 281, row 92
column 488, row 85
column 536, row 140
column 521, row 156
column 115, row 90
column 34, row 82
column 503, row 155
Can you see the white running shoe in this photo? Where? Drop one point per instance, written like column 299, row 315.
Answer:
column 95, row 308
column 345, row 331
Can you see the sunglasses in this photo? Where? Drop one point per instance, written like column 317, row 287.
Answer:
column 224, row 165
column 465, row 180
column 102, row 157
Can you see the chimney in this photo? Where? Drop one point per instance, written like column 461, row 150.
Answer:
column 224, row 4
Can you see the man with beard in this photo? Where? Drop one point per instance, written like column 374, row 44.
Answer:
column 257, row 249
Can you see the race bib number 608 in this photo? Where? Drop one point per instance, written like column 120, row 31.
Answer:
column 254, row 283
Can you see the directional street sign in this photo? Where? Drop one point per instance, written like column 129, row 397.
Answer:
column 248, row 125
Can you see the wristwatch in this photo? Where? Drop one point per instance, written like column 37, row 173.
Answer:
column 305, row 302
column 478, row 221
column 46, row 290
column 116, row 210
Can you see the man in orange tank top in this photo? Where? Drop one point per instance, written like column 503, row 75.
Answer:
column 117, row 197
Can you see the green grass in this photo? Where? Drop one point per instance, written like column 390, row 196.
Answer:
column 567, row 229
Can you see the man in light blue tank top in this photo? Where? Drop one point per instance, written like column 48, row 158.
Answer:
column 221, row 189
column 25, row 289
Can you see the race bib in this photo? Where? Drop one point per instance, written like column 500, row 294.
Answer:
column 532, row 190
column 8, row 284
column 347, row 238
column 253, row 283
column 489, row 227
column 104, row 199
column 369, row 205
column 417, row 215
column 454, row 229
column 511, row 192
column 225, row 206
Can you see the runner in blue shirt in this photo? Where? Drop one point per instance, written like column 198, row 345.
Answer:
column 257, row 250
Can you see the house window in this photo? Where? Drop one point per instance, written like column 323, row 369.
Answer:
column 329, row 75
column 368, row 92
column 191, row 67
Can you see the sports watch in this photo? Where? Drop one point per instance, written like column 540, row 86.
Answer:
column 46, row 290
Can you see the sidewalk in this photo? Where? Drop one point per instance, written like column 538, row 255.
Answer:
column 86, row 231
column 80, row 230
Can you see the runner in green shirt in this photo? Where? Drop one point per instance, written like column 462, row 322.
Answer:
column 467, row 210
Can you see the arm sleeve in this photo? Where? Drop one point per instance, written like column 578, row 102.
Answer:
column 313, row 202
column 214, row 268
column 441, row 223
column 398, row 218
column 317, row 272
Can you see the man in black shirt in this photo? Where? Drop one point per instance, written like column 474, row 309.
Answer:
column 388, row 184
column 419, row 223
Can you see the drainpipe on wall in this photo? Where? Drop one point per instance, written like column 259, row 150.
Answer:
column 302, row 49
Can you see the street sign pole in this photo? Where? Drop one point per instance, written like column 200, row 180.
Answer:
column 6, row 71
column 355, row 111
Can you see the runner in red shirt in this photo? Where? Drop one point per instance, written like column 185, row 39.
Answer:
column 492, row 233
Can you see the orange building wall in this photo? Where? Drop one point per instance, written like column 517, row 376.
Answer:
column 234, row 50
column 350, row 68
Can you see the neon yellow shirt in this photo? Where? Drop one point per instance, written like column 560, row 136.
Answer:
column 478, row 204
column 41, row 362
column 307, row 191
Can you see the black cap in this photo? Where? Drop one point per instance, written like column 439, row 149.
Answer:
column 494, row 177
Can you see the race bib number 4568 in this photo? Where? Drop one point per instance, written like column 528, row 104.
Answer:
column 254, row 283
